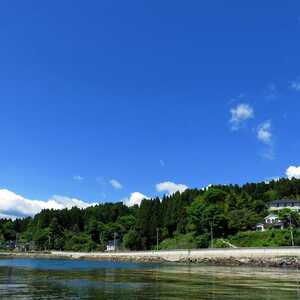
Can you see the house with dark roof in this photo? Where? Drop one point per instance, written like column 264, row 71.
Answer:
column 284, row 203
column 272, row 220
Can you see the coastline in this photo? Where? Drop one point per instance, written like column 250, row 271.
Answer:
column 288, row 257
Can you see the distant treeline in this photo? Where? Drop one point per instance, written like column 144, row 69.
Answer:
column 183, row 220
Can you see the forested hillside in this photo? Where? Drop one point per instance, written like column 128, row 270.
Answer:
column 180, row 220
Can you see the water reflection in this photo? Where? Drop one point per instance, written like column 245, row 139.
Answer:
column 66, row 279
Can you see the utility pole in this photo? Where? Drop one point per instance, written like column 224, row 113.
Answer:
column 157, row 229
column 291, row 231
column 211, row 234
column 115, row 234
column 17, row 240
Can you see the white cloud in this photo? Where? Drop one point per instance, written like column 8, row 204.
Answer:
column 170, row 187
column 67, row 202
column 162, row 163
column 293, row 172
column 240, row 114
column 12, row 204
column 116, row 184
column 264, row 133
column 78, row 178
column 268, row 180
column 295, row 85
column 135, row 199
column 206, row 187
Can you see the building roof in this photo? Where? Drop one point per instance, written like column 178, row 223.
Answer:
column 271, row 216
column 284, row 201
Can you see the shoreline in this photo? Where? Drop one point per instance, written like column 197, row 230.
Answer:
column 288, row 257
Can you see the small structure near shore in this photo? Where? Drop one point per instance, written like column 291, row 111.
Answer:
column 18, row 246
column 112, row 245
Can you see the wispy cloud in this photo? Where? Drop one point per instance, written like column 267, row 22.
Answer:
column 265, row 136
column 162, row 163
column 271, row 92
column 101, row 180
column 239, row 114
column 116, row 184
column 295, row 85
column 78, row 178
column 264, row 132
column 170, row 187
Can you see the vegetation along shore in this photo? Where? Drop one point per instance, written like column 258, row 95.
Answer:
column 220, row 216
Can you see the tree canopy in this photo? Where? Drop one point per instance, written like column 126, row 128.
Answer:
column 186, row 218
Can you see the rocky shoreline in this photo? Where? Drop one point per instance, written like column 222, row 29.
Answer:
column 254, row 261
column 286, row 262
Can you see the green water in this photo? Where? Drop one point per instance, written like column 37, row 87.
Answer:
column 66, row 279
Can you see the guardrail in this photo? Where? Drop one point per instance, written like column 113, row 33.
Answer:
column 202, row 249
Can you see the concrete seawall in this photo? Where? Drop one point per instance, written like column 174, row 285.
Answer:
column 179, row 255
column 288, row 257
column 277, row 257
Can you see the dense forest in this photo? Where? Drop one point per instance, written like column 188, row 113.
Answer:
column 187, row 220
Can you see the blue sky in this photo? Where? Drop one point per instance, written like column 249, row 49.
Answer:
column 146, row 92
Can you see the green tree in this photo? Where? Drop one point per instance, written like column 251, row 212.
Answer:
column 41, row 239
column 242, row 220
column 289, row 216
column 55, row 235
column 8, row 231
column 93, row 230
column 132, row 240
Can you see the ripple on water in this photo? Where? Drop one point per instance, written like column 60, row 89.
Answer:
column 61, row 279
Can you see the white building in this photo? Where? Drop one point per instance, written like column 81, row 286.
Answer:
column 112, row 245
column 260, row 227
column 271, row 220
column 284, row 203
column 110, row 248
